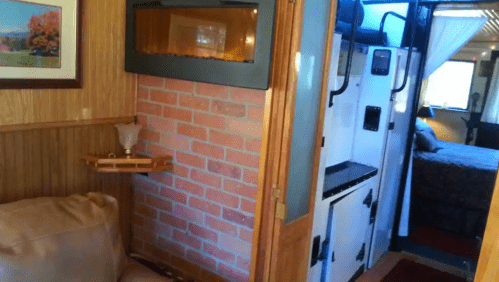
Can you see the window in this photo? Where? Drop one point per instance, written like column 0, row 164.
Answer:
column 450, row 85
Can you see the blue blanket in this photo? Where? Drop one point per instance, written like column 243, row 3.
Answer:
column 462, row 155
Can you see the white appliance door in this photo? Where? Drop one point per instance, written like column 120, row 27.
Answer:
column 393, row 158
column 349, row 224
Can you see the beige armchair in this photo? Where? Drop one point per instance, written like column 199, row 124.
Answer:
column 66, row 239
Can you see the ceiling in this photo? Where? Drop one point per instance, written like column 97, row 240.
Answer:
column 490, row 32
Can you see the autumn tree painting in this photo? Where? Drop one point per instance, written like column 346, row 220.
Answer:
column 30, row 35
column 44, row 35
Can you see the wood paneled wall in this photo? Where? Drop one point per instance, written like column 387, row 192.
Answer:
column 108, row 91
column 45, row 161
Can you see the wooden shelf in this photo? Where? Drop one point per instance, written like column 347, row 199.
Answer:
column 133, row 164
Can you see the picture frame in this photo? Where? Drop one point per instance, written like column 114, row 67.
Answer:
column 40, row 45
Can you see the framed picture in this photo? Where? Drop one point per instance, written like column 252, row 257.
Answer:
column 40, row 44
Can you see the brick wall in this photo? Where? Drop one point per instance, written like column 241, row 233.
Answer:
column 199, row 217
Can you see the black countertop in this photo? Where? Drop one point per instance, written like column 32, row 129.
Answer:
column 345, row 175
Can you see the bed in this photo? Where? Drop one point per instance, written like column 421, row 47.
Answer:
column 452, row 188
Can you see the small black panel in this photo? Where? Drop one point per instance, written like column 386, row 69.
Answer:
column 315, row 250
column 371, row 118
column 381, row 62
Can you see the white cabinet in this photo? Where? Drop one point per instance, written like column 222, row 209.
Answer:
column 348, row 233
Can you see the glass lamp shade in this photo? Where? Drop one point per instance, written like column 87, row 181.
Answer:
column 128, row 135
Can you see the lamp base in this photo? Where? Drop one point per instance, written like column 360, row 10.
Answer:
column 129, row 153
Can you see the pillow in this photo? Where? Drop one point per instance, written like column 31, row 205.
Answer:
column 61, row 239
column 423, row 126
column 427, row 142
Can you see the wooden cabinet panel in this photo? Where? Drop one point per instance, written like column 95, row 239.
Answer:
column 45, row 161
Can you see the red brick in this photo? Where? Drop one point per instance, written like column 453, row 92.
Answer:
column 253, row 145
column 219, row 253
column 140, row 147
column 222, row 226
column 245, row 235
column 224, row 139
column 175, row 141
column 156, row 227
column 162, row 177
column 143, row 235
column 161, row 124
column 153, row 81
column 243, row 158
column 212, row 90
column 178, row 114
column 173, row 221
column 224, row 169
column 138, row 196
column 201, row 260
column 232, row 273
column 157, row 252
column 252, row 129
column 208, row 150
column 194, row 103
column 243, row 263
column 171, row 247
column 174, row 195
column 145, row 186
column 255, row 113
column 188, row 213
column 240, row 189
column 250, row 176
column 159, row 203
column 180, row 170
column 192, row 131
column 186, row 266
column 160, row 151
column 191, row 160
column 163, row 97
column 229, row 109
column 238, row 218
column 142, row 93
column 248, row 206
column 146, row 211
column 235, row 245
column 189, row 187
column 148, row 108
column 252, row 96
column 206, row 178
column 203, row 232
column 222, row 198
column 208, row 207
column 142, row 119
column 209, row 120
column 184, row 237
column 149, row 135
column 179, row 85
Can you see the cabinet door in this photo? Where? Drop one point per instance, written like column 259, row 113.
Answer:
column 349, row 224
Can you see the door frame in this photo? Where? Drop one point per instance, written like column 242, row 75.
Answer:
column 277, row 133
column 276, row 141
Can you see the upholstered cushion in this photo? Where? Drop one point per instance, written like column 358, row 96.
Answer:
column 426, row 141
column 61, row 239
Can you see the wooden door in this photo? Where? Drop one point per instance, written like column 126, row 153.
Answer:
column 282, row 244
column 488, row 262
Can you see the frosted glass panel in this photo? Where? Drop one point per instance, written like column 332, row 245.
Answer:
column 307, row 108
